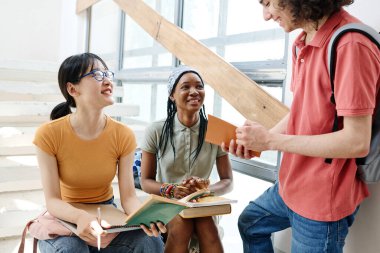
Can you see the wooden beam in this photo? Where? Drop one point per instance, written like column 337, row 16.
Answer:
column 84, row 4
column 234, row 86
column 34, row 108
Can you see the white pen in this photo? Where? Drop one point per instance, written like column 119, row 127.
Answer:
column 99, row 220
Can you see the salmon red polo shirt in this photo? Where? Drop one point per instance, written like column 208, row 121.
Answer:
column 309, row 186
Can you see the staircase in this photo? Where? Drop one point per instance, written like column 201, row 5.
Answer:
column 22, row 100
column 26, row 99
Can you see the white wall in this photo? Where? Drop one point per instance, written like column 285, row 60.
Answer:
column 39, row 31
column 363, row 236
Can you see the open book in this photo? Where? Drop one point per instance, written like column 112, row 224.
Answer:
column 156, row 208
column 114, row 216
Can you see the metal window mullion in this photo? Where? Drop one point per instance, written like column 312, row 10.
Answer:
column 88, row 29
column 120, row 46
column 155, row 53
column 178, row 19
column 220, row 50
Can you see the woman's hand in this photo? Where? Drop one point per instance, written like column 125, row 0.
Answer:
column 181, row 191
column 196, row 183
column 155, row 229
column 89, row 228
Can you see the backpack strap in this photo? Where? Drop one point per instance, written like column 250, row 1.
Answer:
column 23, row 236
column 367, row 31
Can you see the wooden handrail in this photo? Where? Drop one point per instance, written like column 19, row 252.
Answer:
column 242, row 93
column 84, row 4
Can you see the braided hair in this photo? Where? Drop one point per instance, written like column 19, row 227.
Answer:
column 168, row 128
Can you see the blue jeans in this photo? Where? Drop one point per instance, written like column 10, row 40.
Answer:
column 134, row 241
column 268, row 214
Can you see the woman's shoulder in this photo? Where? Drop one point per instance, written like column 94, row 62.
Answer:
column 156, row 125
column 153, row 131
column 52, row 125
column 118, row 125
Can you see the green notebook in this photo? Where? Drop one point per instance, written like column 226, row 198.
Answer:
column 154, row 208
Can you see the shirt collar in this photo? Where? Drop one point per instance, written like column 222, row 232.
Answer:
column 324, row 32
column 180, row 127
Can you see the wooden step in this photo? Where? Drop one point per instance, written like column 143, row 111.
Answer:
column 33, row 91
column 10, row 245
column 18, row 161
column 16, row 141
column 27, row 75
column 23, row 178
column 31, row 108
column 22, row 121
column 18, row 150
column 19, row 173
column 35, row 113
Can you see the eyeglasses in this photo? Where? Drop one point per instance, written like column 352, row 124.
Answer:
column 99, row 75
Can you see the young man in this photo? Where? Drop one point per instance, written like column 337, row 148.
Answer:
column 317, row 199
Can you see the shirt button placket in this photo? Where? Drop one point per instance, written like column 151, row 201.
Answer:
column 187, row 148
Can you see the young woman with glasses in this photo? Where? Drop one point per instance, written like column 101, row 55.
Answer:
column 79, row 154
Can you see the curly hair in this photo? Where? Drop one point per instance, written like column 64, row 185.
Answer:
column 312, row 10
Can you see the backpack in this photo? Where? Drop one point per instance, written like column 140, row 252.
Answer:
column 369, row 166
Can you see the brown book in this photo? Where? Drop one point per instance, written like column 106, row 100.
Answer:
column 219, row 131
column 195, row 212
column 202, row 204
column 206, row 199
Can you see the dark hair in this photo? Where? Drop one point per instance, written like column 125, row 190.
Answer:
column 312, row 10
column 71, row 70
column 168, row 128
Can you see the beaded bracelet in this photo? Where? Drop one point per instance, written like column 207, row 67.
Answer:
column 163, row 189
column 172, row 191
column 168, row 190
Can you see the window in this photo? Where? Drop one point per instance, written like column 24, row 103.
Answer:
column 140, row 49
column 104, row 32
column 235, row 30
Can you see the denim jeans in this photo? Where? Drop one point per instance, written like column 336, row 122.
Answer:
column 135, row 241
column 127, row 242
column 269, row 213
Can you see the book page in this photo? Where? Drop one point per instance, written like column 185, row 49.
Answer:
column 109, row 213
column 210, row 201
column 195, row 195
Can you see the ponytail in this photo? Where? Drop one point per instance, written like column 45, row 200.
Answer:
column 60, row 110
